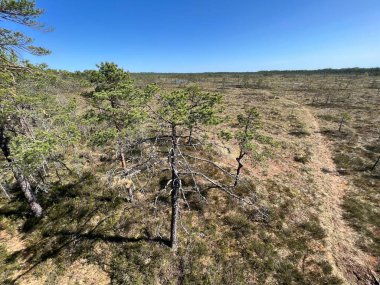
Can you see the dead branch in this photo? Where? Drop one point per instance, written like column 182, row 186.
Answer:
column 5, row 191
column 220, row 186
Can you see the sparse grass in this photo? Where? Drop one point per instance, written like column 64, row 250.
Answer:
column 303, row 157
column 280, row 241
column 221, row 247
column 355, row 150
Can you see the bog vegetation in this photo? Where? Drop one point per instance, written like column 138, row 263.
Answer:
column 109, row 177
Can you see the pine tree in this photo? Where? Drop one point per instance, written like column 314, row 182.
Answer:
column 247, row 134
column 117, row 108
column 34, row 129
column 15, row 129
column 202, row 108
column 13, row 43
column 185, row 111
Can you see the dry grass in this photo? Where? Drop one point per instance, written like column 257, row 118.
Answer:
column 89, row 231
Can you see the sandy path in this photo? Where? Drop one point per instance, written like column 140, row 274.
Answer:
column 348, row 262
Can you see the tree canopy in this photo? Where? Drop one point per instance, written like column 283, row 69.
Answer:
column 13, row 43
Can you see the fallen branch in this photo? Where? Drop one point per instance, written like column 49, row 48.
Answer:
column 218, row 185
column 5, row 191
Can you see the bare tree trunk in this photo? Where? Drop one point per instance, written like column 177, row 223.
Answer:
column 5, row 191
column 304, row 261
column 327, row 99
column 124, row 165
column 314, row 98
column 122, row 155
column 19, row 176
column 240, row 166
column 113, row 103
column 190, row 136
column 376, row 163
column 223, row 83
column 176, row 186
column 242, row 150
column 28, row 192
column 341, row 124
column 122, row 159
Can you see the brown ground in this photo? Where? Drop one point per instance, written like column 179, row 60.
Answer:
column 349, row 263
column 80, row 272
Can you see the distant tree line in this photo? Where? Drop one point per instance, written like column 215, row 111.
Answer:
column 327, row 71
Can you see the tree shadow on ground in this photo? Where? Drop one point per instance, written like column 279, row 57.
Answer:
column 77, row 217
column 73, row 245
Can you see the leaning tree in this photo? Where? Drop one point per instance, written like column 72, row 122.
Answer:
column 247, row 136
column 36, row 126
column 344, row 119
column 377, row 162
column 12, row 105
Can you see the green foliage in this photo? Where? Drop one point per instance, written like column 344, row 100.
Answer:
column 345, row 116
column 39, row 125
column 225, row 135
column 248, row 136
column 202, row 106
column 23, row 12
column 102, row 137
column 110, row 77
column 248, row 125
column 20, row 11
column 190, row 107
column 174, row 108
column 117, row 106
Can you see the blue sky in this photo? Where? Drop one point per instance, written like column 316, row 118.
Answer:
column 211, row 35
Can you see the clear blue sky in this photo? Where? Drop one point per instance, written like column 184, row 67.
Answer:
column 211, row 35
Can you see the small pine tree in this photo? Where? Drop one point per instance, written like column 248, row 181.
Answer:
column 117, row 107
column 344, row 119
column 202, row 108
column 248, row 126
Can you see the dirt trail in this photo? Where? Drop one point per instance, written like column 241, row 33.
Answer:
column 348, row 262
